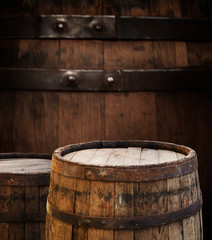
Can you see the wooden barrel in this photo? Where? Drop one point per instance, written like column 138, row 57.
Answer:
column 124, row 190
column 56, row 57
column 24, row 182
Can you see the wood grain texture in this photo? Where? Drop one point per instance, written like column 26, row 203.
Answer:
column 174, row 203
column 82, row 119
column 181, row 117
column 23, row 200
column 7, row 105
column 4, row 207
column 32, row 204
column 101, row 204
column 96, row 199
column 127, row 116
column 34, row 116
column 16, row 230
column 124, row 207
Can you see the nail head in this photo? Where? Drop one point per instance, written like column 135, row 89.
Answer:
column 110, row 79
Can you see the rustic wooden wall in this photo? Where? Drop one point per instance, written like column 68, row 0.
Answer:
column 40, row 121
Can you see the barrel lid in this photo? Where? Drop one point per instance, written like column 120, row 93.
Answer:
column 124, row 160
column 131, row 156
column 24, row 163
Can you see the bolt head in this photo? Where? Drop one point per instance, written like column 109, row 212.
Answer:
column 60, row 25
column 89, row 174
column 98, row 27
column 110, row 79
column 71, row 78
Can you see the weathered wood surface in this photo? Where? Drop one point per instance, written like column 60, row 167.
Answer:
column 94, row 198
column 25, row 165
column 123, row 156
column 42, row 121
column 28, row 199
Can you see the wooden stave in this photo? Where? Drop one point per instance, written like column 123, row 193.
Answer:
column 23, row 203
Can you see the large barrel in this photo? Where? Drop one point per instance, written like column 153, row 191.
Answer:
column 24, row 183
column 124, row 190
column 58, row 60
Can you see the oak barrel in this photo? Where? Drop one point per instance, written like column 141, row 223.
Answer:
column 35, row 52
column 124, row 190
column 24, row 183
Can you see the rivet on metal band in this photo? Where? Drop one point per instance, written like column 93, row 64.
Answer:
column 137, row 222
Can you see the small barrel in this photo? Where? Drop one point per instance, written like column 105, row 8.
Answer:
column 124, row 190
column 24, row 183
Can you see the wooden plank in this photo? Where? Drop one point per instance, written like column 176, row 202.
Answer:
column 34, row 53
column 149, row 156
column 82, row 201
column 166, row 156
column 117, row 157
column 101, row 204
column 4, row 207
column 83, row 119
column 32, row 205
column 7, row 104
column 25, row 165
column 17, row 199
column 159, row 206
column 49, row 7
column 101, row 156
column 132, row 156
column 198, row 216
column 83, row 7
column 144, row 8
column 69, row 156
column 35, row 127
column 174, row 204
column 142, row 207
column 43, row 197
column 80, row 54
column 128, row 116
column 199, row 54
column 64, row 199
column 84, row 156
column 124, row 208
column 188, row 224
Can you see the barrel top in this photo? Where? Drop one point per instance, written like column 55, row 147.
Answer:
column 130, row 161
column 25, row 165
column 130, row 156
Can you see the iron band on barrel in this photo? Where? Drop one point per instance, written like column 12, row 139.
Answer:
column 126, row 222
column 106, row 27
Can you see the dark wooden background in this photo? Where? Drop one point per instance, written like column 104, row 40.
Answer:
column 41, row 121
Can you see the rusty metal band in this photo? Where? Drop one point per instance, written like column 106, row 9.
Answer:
column 15, row 179
column 105, row 27
column 22, row 217
column 137, row 222
column 105, row 80
column 124, row 174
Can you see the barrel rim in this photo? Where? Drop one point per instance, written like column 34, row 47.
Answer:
column 134, row 173
column 22, row 179
column 189, row 152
